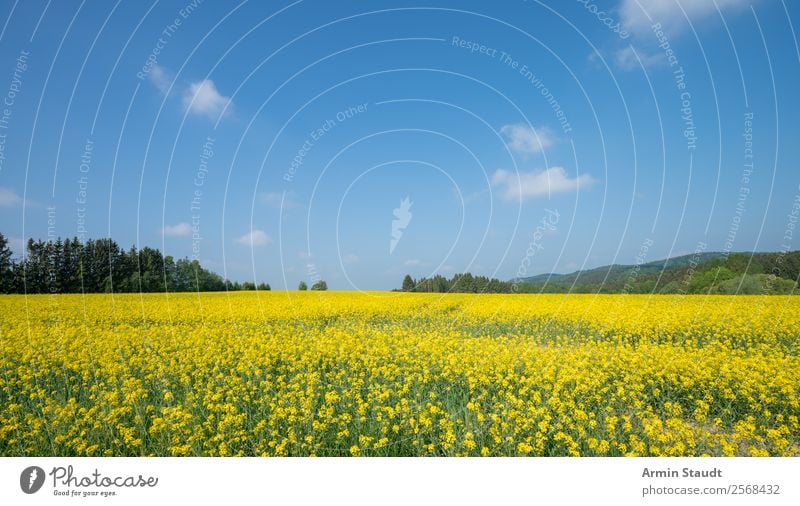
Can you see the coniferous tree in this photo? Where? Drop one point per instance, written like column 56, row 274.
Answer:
column 70, row 266
column 6, row 267
column 408, row 283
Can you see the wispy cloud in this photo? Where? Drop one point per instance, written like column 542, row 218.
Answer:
column 525, row 139
column 413, row 262
column 202, row 98
column 181, row 229
column 640, row 15
column 255, row 237
column 626, row 58
column 471, row 197
column 629, row 58
column 160, row 78
column 10, row 198
column 525, row 185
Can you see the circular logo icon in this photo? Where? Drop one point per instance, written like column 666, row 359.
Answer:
column 31, row 479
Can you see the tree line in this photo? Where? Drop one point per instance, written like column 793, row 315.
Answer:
column 463, row 283
column 101, row 266
column 737, row 273
column 319, row 285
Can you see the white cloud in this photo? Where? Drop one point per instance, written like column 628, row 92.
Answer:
column 10, row 198
column 640, row 15
column 202, row 98
column 181, row 229
column 626, row 58
column 523, row 185
column 160, row 78
column 277, row 200
column 255, row 238
column 412, row 263
column 350, row 258
column 523, row 138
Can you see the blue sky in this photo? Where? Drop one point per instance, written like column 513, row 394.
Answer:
column 276, row 141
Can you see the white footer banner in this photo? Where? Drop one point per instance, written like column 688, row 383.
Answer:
column 370, row 481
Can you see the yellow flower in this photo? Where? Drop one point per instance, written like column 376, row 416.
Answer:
column 345, row 373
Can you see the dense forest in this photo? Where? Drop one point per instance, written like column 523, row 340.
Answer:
column 714, row 273
column 70, row 266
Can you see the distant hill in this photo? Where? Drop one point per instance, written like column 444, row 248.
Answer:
column 617, row 272
column 705, row 272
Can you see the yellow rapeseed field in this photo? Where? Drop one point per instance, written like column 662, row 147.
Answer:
column 346, row 373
